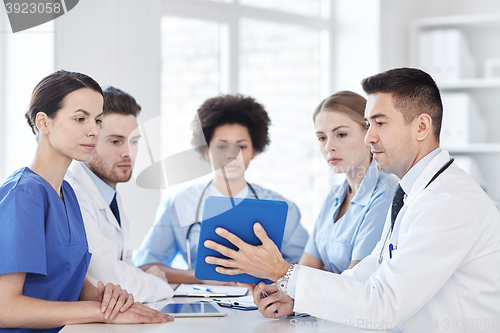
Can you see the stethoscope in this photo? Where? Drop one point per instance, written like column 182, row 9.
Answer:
column 389, row 232
column 188, row 243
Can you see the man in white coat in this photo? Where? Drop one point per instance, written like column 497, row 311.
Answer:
column 436, row 265
column 106, row 225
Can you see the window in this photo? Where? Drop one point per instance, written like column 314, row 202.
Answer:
column 275, row 51
column 280, row 66
column 301, row 7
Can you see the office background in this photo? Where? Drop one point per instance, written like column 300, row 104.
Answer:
column 289, row 54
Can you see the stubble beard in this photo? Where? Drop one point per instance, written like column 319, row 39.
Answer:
column 99, row 168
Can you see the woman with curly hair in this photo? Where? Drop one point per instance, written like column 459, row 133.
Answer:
column 226, row 121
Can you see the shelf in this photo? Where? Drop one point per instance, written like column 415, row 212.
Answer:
column 461, row 20
column 482, row 33
column 470, row 84
column 485, row 22
column 475, row 148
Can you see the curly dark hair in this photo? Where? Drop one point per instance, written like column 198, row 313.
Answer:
column 231, row 109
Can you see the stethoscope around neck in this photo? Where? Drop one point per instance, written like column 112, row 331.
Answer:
column 389, row 232
column 188, row 242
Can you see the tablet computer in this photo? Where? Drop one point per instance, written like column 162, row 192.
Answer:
column 239, row 220
column 193, row 310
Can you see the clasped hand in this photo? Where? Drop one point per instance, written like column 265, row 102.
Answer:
column 115, row 300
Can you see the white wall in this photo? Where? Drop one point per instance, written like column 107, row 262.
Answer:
column 25, row 57
column 3, row 34
column 117, row 43
column 357, row 42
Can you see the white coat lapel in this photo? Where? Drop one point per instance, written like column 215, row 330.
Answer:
column 124, row 226
column 430, row 170
column 84, row 180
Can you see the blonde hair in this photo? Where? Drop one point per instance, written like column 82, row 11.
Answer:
column 346, row 102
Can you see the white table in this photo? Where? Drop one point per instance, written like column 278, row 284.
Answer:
column 236, row 321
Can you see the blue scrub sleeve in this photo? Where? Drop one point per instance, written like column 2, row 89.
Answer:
column 22, row 233
column 311, row 246
column 159, row 245
column 295, row 236
column 370, row 229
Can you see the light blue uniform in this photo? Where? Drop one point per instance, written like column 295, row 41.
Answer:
column 167, row 237
column 42, row 237
column 355, row 234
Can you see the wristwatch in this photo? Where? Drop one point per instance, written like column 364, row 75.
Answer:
column 283, row 281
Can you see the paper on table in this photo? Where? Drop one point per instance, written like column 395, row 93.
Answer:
column 206, row 290
column 244, row 302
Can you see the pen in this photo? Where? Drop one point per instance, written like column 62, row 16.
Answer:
column 202, row 288
column 264, row 294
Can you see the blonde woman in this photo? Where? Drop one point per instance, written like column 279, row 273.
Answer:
column 352, row 218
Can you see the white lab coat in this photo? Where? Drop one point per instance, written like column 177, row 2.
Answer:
column 111, row 259
column 443, row 276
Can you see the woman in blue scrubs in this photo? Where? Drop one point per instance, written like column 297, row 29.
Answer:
column 42, row 237
column 351, row 220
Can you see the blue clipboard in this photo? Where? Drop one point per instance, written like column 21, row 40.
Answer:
column 239, row 220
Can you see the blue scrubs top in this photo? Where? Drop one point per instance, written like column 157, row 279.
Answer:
column 355, row 234
column 167, row 237
column 43, row 237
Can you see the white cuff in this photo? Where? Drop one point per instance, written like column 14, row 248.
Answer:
column 292, row 282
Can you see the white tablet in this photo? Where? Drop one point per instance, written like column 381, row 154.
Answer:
column 193, row 310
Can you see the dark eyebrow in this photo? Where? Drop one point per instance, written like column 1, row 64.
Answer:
column 116, row 136
column 375, row 116
column 87, row 113
column 222, row 140
column 83, row 111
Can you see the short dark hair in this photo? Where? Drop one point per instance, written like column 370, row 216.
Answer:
column 231, row 109
column 414, row 92
column 120, row 102
column 49, row 93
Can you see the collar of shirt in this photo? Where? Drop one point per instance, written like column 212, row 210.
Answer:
column 244, row 193
column 107, row 192
column 341, row 192
column 363, row 195
column 213, row 191
column 415, row 171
